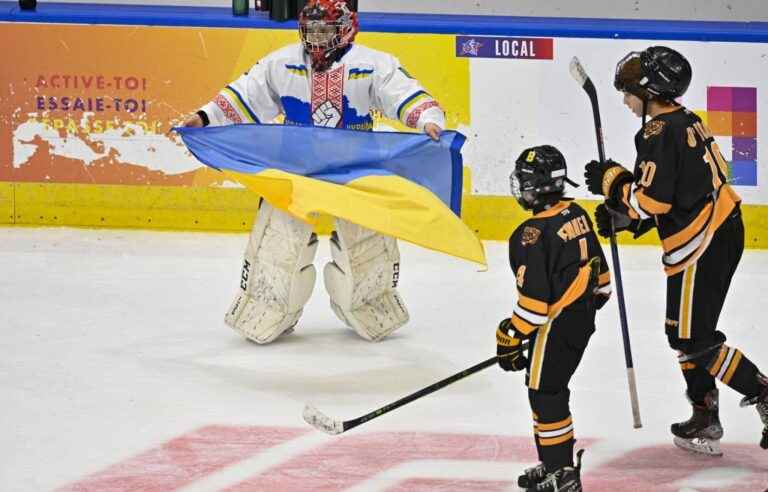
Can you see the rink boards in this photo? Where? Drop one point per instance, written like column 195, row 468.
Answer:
column 84, row 130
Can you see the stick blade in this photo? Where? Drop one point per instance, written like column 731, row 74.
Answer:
column 321, row 421
column 578, row 72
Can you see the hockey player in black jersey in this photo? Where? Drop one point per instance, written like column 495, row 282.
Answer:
column 562, row 279
column 679, row 185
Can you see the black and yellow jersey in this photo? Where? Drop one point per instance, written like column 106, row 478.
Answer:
column 680, row 182
column 549, row 254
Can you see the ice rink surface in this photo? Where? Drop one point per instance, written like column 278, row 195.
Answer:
column 117, row 373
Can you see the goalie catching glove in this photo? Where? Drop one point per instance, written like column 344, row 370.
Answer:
column 509, row 349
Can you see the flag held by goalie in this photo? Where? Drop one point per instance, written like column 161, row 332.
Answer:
column 400, row 184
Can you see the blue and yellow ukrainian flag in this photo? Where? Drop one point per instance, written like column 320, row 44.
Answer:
column 400, row 184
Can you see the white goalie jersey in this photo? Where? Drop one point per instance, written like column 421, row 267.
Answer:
column 343, row 96
column 278, row 272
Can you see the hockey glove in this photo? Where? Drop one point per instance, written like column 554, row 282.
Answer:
column 603, row 178
column 640, row 227
column 509, row 349
column 598, row 298
column 603, row 216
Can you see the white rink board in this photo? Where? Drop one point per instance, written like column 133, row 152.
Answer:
column 521, row 103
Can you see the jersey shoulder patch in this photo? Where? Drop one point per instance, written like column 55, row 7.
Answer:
column 530, row 236
column 653, row 128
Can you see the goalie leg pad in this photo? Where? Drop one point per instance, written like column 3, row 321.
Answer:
column 362, row 280
column 277, row 277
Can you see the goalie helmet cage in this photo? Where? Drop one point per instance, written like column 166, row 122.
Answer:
column 283, row 10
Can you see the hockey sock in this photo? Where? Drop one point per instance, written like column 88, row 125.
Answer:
column 698, row 381
column 535, row 425
column 554, row 429
column 734, row 369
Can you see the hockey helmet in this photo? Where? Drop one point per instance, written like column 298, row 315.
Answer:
column 657, row 72
column 326, row 28
column 539, row 176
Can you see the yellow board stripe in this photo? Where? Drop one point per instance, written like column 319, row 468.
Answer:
column 181, row 208
column 732, row 368
column 687, row 366
column 538, row 356
column 686, row 300
column 553, row 441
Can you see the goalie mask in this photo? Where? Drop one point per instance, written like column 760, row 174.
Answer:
column 327, row 27
column 539, row 177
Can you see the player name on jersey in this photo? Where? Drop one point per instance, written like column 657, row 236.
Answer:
column 504, row 47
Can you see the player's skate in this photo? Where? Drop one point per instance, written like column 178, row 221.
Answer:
column 761, row 404
column 361, row 281
column 702, row 432
column 532, row 476
column 566, row 479
column 278, row 276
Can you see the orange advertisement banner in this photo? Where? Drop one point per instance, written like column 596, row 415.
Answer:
column 94, row 104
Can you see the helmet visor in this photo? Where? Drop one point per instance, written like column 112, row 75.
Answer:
column 514, row 185
column 628, row 77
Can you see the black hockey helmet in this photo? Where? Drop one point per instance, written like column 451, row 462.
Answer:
column 657, row 72
column 539, row 176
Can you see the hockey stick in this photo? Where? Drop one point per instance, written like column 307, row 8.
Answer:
column 321, row 421
column 578, row 73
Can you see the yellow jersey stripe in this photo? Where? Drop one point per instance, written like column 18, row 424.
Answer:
column 732, row 368
column 537, row 360
column 556, row 425
column 686, row 303
column 533, row 305
column 715, row 368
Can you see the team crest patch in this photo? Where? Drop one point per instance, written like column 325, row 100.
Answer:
column 530, row 236
column 653, row 128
